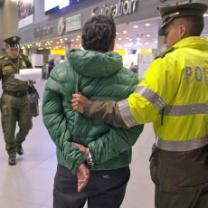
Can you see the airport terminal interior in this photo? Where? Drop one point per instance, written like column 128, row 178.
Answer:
column 48, row 28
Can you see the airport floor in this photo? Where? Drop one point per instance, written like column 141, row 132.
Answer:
column 29, row 184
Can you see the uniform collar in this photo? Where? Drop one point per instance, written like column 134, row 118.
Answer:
column 192, row 42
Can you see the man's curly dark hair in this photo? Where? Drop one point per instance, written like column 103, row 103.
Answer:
column 98, row 33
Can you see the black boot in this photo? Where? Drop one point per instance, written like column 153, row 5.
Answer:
column 19, row 149
column 12, row 159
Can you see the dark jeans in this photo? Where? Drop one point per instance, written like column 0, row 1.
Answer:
column 106, row 189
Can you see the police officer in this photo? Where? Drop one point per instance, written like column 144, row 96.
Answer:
column 173, row 96
column 14, row 102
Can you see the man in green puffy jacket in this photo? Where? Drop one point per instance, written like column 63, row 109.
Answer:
column 93, row 157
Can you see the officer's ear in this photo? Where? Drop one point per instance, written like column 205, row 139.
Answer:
column 183, row 28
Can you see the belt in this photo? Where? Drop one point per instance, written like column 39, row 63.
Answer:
column 16, row 94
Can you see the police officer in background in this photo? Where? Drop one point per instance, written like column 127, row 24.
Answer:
column 14, row 102
column 173, row 96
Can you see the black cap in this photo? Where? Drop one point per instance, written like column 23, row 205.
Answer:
column 12, row 42
column 169, row 13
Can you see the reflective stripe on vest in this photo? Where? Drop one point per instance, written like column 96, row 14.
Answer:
column 126, row 113
column 156, row 100
column 148, row 94
column 151, row 96
column 182, row 145
column 186, row 109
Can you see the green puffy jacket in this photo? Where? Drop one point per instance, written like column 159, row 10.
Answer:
column 99, row 76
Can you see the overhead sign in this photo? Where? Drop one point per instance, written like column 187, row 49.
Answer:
column 56, row 5
column 61, row 26
column 73, row 23
column 25, row 12
column 123, row 7
column 40, row 32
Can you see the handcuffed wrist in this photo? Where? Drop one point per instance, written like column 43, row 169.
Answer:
column 89, row 160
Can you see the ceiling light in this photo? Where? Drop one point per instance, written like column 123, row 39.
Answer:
column 124, row 32
column 135, row 26
column 206, row 15
column 148, row 35
column 119, row 38
column 147, row 24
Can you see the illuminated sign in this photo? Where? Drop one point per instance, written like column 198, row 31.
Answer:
column 40, row 32
column 123, row 7
column 25, row 12
column 56, row 5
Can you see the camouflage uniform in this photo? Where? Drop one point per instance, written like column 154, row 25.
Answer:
column 14, row 102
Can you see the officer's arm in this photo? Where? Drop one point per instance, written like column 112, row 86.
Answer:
column 1, row 73
column 144, row 105
column 107, row 111
column 27, row 61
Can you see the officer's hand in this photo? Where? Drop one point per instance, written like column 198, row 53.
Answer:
column 78, row 102
column 83, row 175
column 82, row 148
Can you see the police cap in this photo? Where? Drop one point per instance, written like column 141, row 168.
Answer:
column 169, row 13
column 12, row 42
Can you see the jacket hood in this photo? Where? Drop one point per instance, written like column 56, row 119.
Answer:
column 196, row 42
column 94, row 64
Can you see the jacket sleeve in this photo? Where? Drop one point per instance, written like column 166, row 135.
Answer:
column 153, row 94
column 106, row 111
column 107, row 147
column 56, row 122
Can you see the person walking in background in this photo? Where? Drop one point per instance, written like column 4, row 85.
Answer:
column 14, row 102
column 97, row 72
column 173, row 95
column 51, row 65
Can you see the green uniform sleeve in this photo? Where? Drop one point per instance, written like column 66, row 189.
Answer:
column 106, row 111
column 113, row 143
column 1, row 60
column 56, row 122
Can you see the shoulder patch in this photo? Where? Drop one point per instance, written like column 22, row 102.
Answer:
column 163, row 54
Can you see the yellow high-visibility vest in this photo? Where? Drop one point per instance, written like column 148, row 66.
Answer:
column 174, row 96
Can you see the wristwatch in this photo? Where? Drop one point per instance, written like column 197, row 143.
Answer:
column 89, row 160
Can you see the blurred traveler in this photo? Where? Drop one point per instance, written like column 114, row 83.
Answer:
column 133, row 67
column 173, row 95
column 51, row 65
column 97, row 72
column 14, row 102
